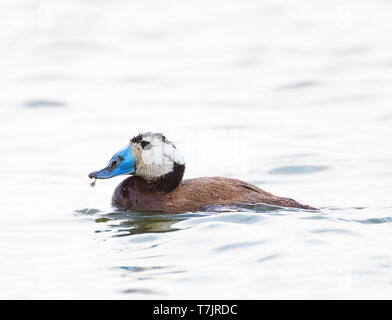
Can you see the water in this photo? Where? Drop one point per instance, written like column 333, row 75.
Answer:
column 294, row 98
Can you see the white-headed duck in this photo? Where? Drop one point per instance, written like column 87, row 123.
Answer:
column 156, row 183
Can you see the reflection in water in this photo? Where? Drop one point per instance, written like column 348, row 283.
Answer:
column 125, row 223
column 145, row 224
column 121, row 223
column 140, row 272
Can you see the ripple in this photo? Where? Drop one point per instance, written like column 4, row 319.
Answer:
column 149, row 272
column 318, row 217
column 247, row 62
column 144, row 238
column 238, row 245
column 353, row 50
column 325, row 216
column 298, row 85
column 300, row 169
column 140, row 269
column 44, row 103
column 375, row 220
column 140, row 290
column 269, row 257
column 332, row 230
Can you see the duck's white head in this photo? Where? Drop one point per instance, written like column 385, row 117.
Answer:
column 149, row 156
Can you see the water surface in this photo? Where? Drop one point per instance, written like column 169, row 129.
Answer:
column 294, row 98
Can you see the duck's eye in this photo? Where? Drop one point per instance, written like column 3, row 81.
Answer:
column 145, row 143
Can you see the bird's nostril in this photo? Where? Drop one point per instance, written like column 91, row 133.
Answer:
column 114, row 164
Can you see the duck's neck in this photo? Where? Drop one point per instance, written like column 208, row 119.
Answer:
column 169, row 181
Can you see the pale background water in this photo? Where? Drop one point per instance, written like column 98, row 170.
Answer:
column 294, row 97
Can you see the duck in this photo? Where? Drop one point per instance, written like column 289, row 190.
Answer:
column 156, row 183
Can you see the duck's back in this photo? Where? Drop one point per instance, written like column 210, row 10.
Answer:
column 192, row 194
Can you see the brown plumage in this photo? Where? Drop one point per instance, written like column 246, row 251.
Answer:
column 156, row 185
column 137, row 194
